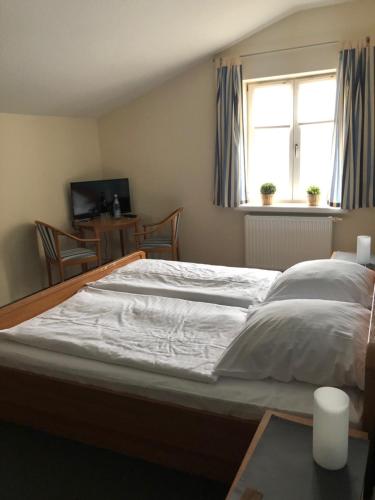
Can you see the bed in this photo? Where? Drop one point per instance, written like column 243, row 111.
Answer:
column 186, row 424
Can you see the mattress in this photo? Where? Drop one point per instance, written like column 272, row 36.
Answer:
column 238, row 398
column 230, row 286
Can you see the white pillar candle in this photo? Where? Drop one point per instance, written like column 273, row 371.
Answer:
column 363, row 249
column 330, row 428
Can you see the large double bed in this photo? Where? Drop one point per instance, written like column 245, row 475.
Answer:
column 65, row 368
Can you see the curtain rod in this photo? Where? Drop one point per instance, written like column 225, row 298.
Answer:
column 273, row 51
column 251, row 54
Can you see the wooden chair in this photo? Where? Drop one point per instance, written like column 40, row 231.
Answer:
column 160, row 244
column 81, row 255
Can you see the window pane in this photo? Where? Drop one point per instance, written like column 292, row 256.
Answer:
column 316, row 100
column 272, row 105
column 315, row 155
column 269, row 161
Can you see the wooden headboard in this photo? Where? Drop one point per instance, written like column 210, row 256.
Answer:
column 35, row 304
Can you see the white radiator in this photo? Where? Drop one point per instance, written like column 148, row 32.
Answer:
column 278, row 242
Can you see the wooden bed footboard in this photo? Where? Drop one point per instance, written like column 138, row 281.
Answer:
column 171, row 435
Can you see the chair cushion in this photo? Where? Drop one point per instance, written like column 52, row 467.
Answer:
column 77, row 253
column 155, row 243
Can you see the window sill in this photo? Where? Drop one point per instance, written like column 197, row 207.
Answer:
column 301, row 208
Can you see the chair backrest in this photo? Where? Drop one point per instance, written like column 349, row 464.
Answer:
column 175, row 222
column 48, row 239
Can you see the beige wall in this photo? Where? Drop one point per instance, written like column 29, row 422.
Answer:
column 164, row 141
column 39, row 156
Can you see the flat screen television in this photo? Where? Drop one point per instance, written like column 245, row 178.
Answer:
column 87, row 197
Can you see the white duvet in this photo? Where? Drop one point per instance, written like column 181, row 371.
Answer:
column 170, row 336
column 231, row 286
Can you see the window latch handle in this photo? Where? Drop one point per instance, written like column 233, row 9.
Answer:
column 296, row 150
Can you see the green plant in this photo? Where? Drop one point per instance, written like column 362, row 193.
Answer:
column 268, row 188
column 313, row 190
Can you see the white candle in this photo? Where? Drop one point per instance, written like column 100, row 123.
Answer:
column 330, row 428
column 363, row 249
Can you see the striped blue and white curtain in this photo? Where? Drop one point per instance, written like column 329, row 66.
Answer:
column 230, row 167
column 353, row 180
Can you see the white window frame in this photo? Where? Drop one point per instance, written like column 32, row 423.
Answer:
column 295, row 132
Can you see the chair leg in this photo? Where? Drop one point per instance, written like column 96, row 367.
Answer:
column 49, row 272
column 84, row 268
column 178, row 252
column 174, row 253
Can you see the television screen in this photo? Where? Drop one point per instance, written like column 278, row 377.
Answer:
column 90, row 197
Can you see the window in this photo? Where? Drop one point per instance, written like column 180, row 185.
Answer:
column 290, row 126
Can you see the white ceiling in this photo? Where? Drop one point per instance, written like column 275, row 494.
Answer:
column 85, row 57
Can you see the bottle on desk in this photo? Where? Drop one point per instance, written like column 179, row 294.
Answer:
column 116, row 207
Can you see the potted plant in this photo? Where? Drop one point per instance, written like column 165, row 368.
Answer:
column 267, row 190
column 313, row 195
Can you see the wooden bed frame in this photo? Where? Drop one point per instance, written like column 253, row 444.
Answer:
column 168, row 434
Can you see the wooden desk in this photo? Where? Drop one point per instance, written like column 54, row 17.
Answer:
column 279, row 461
column 108, row 224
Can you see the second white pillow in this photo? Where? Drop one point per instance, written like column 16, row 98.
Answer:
column 327, row 279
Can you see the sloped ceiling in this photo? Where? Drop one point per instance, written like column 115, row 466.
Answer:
column 85, row 57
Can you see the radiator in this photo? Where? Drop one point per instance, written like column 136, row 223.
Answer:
column 278, row 242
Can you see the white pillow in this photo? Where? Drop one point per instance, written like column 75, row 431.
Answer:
column 322, row 342
column 328, row 279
